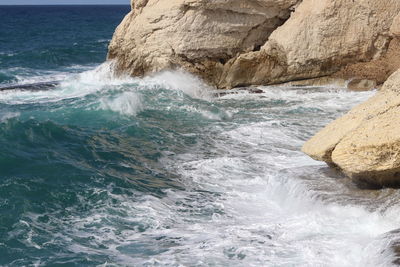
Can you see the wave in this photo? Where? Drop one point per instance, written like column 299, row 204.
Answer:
column 100, row 88
column 22, row 76
column 157, row 170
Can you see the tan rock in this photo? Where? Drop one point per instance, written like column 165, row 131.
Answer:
column 371, row 152
column 365, row 143
column 378, row 69
column 321, row 81
column 361, row 85
column 320, row 146
column 395, row 28
column 199, row 35
column 232, row 43
column 318, row 39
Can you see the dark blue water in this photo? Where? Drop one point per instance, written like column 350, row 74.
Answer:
column 118, row 171
column 39, row 39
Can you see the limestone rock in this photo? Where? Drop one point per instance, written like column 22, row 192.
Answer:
column 232, row 43
column 198, row 35
column 372, row 151
column 395, row 28
column 365, row 143
column 318, row 39
column 321, row 81
column 377, row 69
column 361, row 85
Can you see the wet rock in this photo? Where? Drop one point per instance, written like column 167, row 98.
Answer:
column 41, row 86
column 251, row 90
column 322, row 81
column 361, row 85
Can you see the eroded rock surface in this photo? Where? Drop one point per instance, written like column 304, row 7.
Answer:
column 318, row 39
column 365, row 143
column 198, row 35
column 232, row 43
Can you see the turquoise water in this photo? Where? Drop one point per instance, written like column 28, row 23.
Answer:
column 158, row 171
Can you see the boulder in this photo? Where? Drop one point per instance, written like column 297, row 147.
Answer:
column 233, row 43
column 371, row 152
column 198, row 35
column 365, row 143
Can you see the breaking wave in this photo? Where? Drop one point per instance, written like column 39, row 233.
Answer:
column 157, row 171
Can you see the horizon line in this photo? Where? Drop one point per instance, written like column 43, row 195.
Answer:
column 65, row 5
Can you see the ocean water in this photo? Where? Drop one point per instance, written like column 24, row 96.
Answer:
column 160, row 171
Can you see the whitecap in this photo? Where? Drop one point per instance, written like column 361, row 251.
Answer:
column 180, row 80
column 103, row 41
column 98, row 80
column 5, row 116
column 126, row 103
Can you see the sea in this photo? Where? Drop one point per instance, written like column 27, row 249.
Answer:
column 100, row 170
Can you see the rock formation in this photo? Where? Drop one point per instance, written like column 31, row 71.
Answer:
column 198, row 35
column 232, row 43
column 365, row 143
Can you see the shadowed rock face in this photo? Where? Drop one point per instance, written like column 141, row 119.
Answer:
column 365, row 143
column 232, row 43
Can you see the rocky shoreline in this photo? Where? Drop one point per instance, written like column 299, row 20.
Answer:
column 236, row 43
column 365, row 143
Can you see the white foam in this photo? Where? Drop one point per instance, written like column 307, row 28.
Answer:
column 327, row 97
column 103, row 40
column 5, row 116
column 126, row 103
column 240, row 206
column 180, row 80
column 72, row 86
column 101, row 79
column 270, row 218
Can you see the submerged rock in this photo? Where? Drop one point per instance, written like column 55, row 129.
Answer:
column 365, row 143
column 233, row 43
column 321, row 81
column 40, row 86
